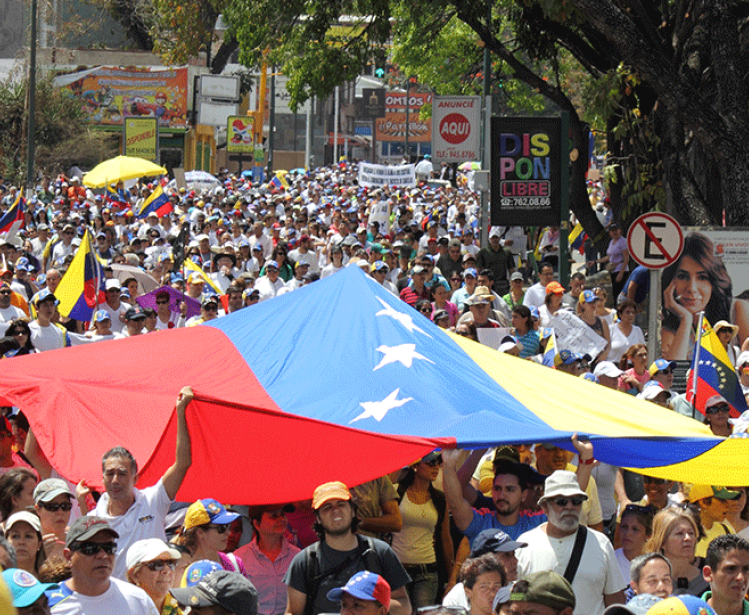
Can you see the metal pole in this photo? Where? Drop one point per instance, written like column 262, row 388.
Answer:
column 408, row 108
column 654, row 295
column 30, row 149
column 487, row 88
column 272, row 120
column 335, row 123
column 308, row 135
column 564, row 229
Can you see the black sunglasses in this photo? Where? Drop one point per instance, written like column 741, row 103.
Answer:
column 160, row 563
column 92, row 548
column 221, row 529
column 562, row 502
column 66, row 506
column 716, row 409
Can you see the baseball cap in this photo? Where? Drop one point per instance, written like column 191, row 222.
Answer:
column 147, row 550
column 26, row 517
column 45, row 295
column 208, row 300
column 681, row 605
column 197, row 571
column 87, row 527
column 607, row 368
column 660, row 365
column 101, row 316
column 50, row 488
column 494, row 541
column 470, row 272
column 547, row 588
column 469, row 257
column 224, row 588
column 714, row 400
column 135, row 313
column 700, row 492
column 567, row 357
column 25, row 587
column 639, row 605
column 555, row 288
column 269, row 264
column 207, row 511
column 364, row 585
column 112, row 283
column 587, row 296
column 335, row 490
column 516, row 276
column 652, row 390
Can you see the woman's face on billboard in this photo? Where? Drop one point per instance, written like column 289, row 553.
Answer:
column 693, row 288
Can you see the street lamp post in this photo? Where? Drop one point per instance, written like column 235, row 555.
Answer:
column 31, row 145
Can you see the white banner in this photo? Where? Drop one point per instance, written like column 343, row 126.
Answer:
column 381, row 213
column 379, row 175
column 456, row 128
column 573, row 334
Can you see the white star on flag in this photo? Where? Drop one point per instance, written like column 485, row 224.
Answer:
column 403, row 353
column 378, row 409
column 403, row 319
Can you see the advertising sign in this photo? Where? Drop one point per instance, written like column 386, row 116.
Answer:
column 373, row 103
column 456, row 128
column 392, row 127
column 526, row 171
column 239, row 137
column 142, row 138
column 108, row 94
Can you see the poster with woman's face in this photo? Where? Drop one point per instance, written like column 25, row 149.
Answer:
column 711, row 276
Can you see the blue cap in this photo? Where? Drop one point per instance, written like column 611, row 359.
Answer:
column 660, row 365
column 470, row 272
column 44, row 295
column 197, row 571
column 25, row 587
column 101, row 316
column 271, row 264
column 587, row 296
column 364, row 585
column 589, row 376
column 534, row 313
column 567, row 357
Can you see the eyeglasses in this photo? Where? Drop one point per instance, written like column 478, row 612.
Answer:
column 92, row 548
column 160, row 563
column 220, row 528
column 576, row 501
column 66, row 506
column 718, row 408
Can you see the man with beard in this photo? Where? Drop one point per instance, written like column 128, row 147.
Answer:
column 339, row 554
column 594, row 573
column 509, row 489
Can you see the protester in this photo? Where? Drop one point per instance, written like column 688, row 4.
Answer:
column 151, row 565
column 365, row 593
column 650, row 573
column 727, row 571
column 29, row 595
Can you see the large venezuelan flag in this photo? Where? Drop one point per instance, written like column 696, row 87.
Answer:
column 157, row 202
column 81, row 288
column 339, row 380
column 14, row 214
column 712, row 374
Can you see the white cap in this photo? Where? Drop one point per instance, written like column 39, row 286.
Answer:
column 607, row 368
column 113, row 283
column 743, row 358
column 147, row 550
column 25, row 516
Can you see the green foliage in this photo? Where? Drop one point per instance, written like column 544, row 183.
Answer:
column 58, row 128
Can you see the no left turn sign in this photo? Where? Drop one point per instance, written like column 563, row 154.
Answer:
column 655, row 240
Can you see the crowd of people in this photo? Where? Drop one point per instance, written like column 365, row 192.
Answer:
column 493, row 532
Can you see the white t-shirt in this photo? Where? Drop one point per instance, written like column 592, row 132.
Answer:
column 50, row 337
column 534, row 296
column 11, row 313
column 114, row 315
column 121, row 597
column 597, row 575
column 268, row 289
column 146, row 518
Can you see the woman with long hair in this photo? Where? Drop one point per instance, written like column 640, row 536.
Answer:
column 697, row 282
column 19, row 330
column 528, row 337
column 635, row 528
column 16, row 488
column 624, row 332
column 423, row 545
column 634, row 364
column 675, row 535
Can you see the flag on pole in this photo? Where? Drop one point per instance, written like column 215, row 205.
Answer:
column 158, row 202
column 712, row 374
column 577, row 238
column 551, row 349
column 279, row 181
column 14, row 216
column 191, row 267
column 81, row 289
column 117, row 198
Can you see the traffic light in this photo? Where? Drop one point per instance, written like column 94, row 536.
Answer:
column 380, row 63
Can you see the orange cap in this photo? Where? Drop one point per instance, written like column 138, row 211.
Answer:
column 330, row 491
column 554, row 287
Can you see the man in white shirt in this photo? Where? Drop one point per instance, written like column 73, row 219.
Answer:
column 90, row 548
column 536, row 294
column 8, row 312
column 114, row 306
column 45, row 335
column 597, row 581
column 270, row 283
column 138, row 514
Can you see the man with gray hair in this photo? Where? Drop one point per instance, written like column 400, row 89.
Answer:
column 651, row 574
column 583, row 556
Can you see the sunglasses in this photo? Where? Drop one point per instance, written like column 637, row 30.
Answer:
column 716, row 409
column 576, row 501
column 667, row 371
column 66, row 506
column 221, row 529
column 162, row 302
column 433, row 463
column 5, row 292
column 211, row 308
column 160, row 563
column 92, row 548
column 426, row 311
column 637, row 508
